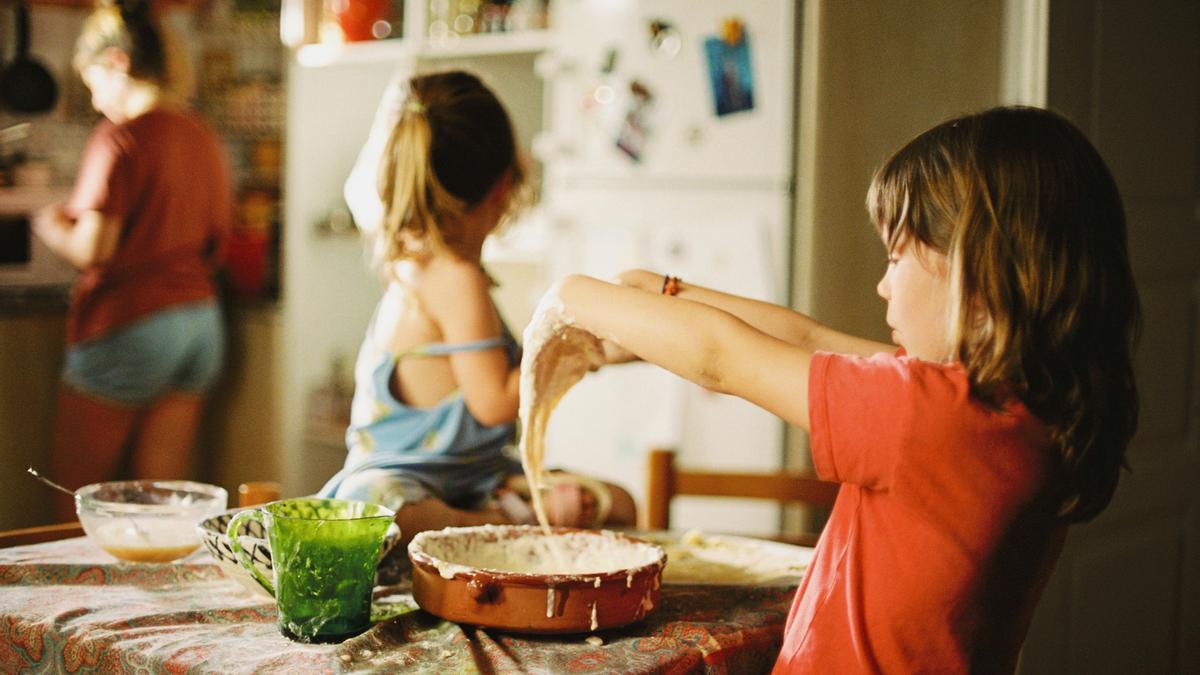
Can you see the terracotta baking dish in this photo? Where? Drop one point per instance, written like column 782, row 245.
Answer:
column 499, row 577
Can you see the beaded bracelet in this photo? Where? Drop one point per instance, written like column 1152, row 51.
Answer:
column 670, row 285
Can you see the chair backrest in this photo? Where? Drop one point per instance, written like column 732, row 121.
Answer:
column 40, row 534
column 664, row 480
column 254, row 493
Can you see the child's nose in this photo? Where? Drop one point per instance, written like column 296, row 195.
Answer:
column 882, row 287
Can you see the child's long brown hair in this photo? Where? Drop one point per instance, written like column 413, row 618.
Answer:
column 452, row 142
column 1045, row 305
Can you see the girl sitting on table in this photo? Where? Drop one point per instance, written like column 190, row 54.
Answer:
column 1002, row 418
column 435, row 401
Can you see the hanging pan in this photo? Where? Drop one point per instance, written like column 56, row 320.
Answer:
column 25, row 84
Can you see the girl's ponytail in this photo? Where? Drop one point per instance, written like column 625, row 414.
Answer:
column 413, row 198
column 450, row 146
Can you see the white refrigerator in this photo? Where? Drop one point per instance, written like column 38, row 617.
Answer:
column 669, row 145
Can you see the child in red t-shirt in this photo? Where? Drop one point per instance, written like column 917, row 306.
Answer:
column 963, row 456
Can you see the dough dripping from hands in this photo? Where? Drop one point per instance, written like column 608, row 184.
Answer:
column 557, row 354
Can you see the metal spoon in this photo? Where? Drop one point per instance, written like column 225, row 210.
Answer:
column 33, row 472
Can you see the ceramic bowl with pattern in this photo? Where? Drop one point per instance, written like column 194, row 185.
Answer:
column 253, row 538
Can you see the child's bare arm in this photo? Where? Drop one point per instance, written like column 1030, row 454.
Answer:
column 780, row 322
column 699, row 342
column 457, row 296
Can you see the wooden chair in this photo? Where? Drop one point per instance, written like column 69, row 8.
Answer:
column 665, row 481
column 40, row 534
column 257, row 492
column 249, row 494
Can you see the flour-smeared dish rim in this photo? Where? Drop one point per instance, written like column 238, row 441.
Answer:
column 419, row 556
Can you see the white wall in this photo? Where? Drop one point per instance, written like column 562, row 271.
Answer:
column 873, row 75
column 327, row 290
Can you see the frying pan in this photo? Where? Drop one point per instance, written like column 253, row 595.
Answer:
column 25, row 85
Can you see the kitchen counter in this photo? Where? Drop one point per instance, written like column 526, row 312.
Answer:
column 16, row 300
column 34, row 299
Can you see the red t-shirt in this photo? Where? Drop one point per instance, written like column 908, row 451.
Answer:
column 942, row 535
column 165, row 175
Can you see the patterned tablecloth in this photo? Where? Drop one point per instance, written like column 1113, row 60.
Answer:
column 68, row 607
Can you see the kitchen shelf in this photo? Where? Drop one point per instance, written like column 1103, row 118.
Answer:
column 487, row 44
column 89, row 5
column 453, row 47
column 319, row 55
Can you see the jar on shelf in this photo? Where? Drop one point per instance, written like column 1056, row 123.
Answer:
column 246, row 262
column 265, row 159
column 254, row 107
column 248, row 254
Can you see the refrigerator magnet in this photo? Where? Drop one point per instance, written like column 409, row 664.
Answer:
column 635, row 128
column 664, row 39
column 729, row 70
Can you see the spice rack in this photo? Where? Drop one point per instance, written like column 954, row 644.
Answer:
column 239, row 65
column 438, row 27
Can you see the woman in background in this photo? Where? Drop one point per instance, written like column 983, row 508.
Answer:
column 145, row 222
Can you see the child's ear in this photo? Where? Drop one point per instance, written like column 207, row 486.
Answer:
column 115, row 59
column 498, row 195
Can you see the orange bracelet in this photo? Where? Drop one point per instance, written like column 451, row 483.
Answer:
column 670, row 285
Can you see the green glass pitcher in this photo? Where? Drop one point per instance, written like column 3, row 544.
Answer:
column 324, row 553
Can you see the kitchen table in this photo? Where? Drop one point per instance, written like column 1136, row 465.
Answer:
column 67, row 606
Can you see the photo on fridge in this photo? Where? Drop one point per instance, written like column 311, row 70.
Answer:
column 729, row 70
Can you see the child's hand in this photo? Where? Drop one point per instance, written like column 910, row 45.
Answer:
column 645, row 280
column 552, row 336
column 552, row 311
column 50, row 217
column 615, row 353
column 50, row 224
column 550, row 308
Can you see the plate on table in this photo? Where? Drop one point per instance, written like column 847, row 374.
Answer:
column 698, row 558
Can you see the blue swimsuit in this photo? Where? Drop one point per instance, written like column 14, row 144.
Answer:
column 401, row 454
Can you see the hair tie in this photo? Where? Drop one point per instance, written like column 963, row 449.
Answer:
column 415, row 107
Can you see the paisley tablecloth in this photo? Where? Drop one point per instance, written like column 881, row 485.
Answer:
column 68, row 607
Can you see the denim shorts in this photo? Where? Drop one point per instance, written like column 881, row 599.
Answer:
column 178, row 349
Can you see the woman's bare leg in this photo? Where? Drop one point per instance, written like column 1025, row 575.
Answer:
column 90, row 437
column 166, row 436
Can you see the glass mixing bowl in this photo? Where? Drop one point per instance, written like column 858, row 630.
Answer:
column 147, row 520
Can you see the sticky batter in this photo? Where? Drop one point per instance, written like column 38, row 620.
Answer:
column 556, row 355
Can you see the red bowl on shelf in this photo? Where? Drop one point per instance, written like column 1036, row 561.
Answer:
column 357, row 18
